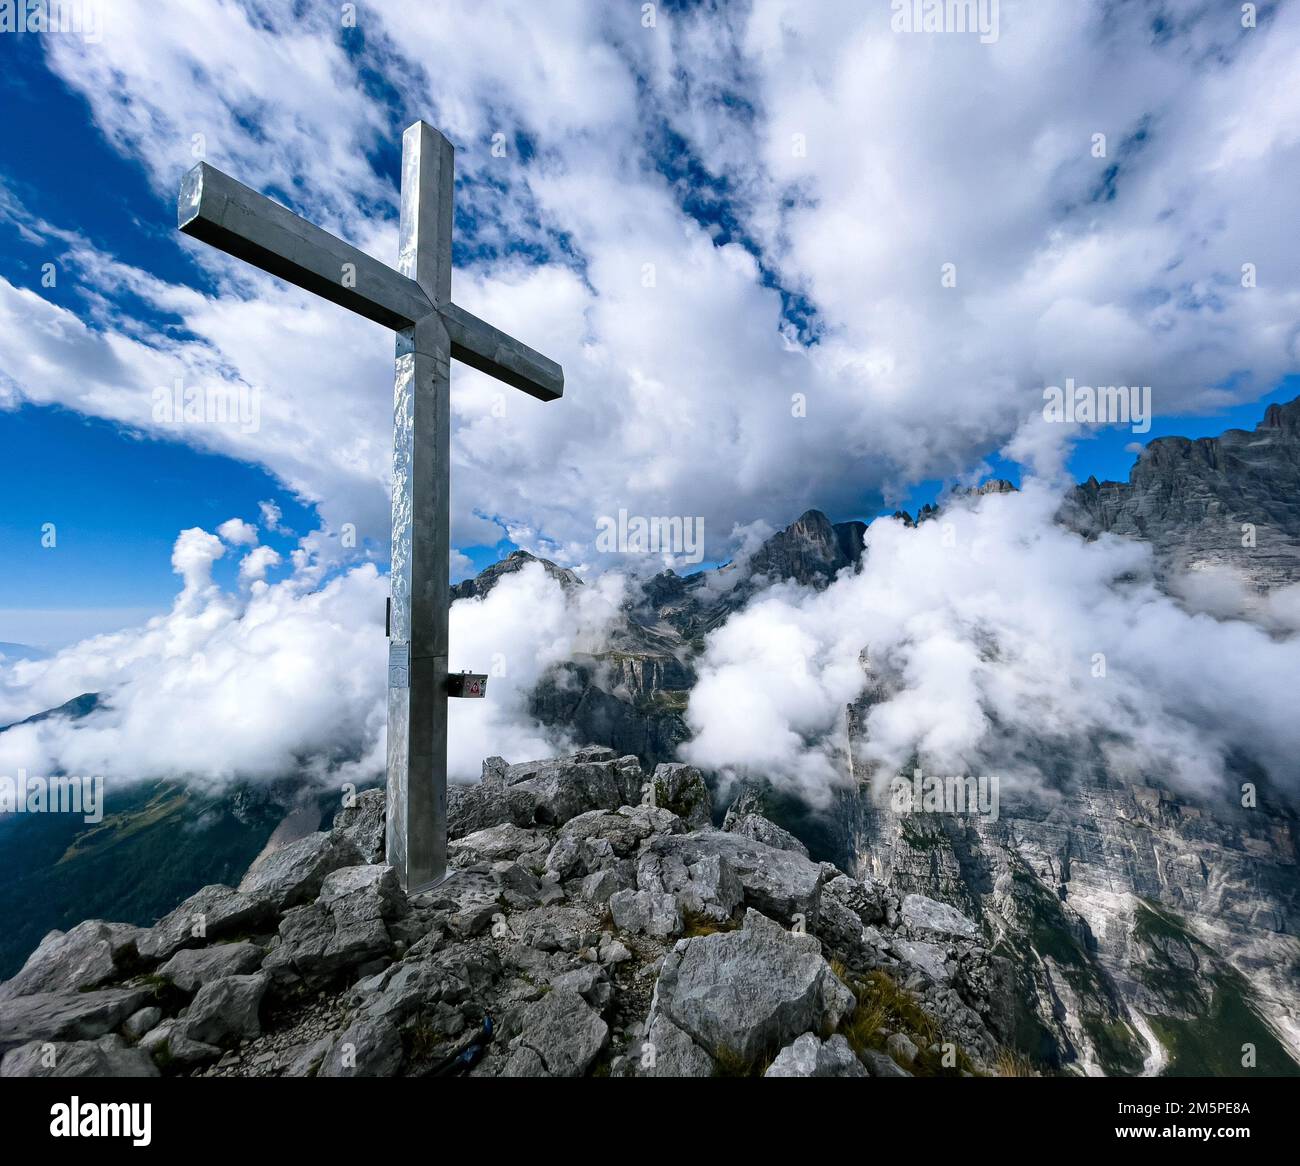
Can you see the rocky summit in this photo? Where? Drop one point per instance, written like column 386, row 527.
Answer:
column 595, row 923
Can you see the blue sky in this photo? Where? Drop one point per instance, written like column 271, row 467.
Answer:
column 119, row 495
column 117, row 498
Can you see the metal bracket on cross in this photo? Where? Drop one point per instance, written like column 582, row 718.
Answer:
column 467, row 684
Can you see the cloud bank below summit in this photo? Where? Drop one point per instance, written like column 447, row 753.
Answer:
column 282, row 679
column 1003, row 645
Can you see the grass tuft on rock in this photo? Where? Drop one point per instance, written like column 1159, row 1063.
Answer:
column 884, row 1006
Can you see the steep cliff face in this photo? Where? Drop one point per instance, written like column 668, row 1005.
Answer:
column 593, row 699
column 1152, row 934
column 1230, row 501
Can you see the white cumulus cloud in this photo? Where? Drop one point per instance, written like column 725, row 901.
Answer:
column 1002, row 645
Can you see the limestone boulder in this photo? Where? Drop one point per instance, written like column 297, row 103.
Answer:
column 779, row 883
column 226, row 1011
column 562, row 1031
column 748, row 993
column 108, row 1056
column 192, row 967
column 293, row 874
column 214, row 912
column 89, row 955
column 682, row 790
column 66, row 1016
column 362, row 824
column 925, row 916
column 810, row 1056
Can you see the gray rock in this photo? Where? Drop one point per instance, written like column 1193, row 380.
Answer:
column 590, row 981
column 108, row 1056
column 454, row 974
column 192, row 967
column 294, row 873
column 601, row 839
column 225, row 1011
column 169, row 1047
column 779, row 883
column 550, row 893
column 374, row 885
column 318, row 943
column 682, row 790
column 647, row 913
column 214, row 912
column 362, row 824
column 523, row 1062
column 565, row 1033
column 594, row 753
column 867, row 900
column 471, row 808
column 762, row 830
column 810, row 1057
column 901, row 1048
column 747, row 993
column 89, row 955
column 471, row 899
column 666, row 1051
column 359, row 900
column 370, row 1047
column 600, row 885
column 70, row 1016
column 306, row 1060
column 928, row 915
column 563, row 789
column 708, row 887
column 614, row 952
column 838, row 924
column 304, row 935
column 929, row 958
column 503, row 841
column 139, row 1023
column 520, row 888
column 880, row 1065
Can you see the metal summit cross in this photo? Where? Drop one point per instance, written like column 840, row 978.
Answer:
column 415, row 301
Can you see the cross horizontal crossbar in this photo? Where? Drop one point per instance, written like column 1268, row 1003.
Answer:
column 227, row 214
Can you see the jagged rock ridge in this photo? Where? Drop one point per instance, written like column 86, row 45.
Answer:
column 595, row 923
column 1193, row 499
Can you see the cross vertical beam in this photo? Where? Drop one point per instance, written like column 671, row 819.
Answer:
column 417, row 693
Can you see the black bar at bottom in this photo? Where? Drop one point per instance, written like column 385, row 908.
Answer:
column 335, row 1116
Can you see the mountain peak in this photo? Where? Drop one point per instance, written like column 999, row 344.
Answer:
column 810, row 550
column 1286, row 417
column 489, row 577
